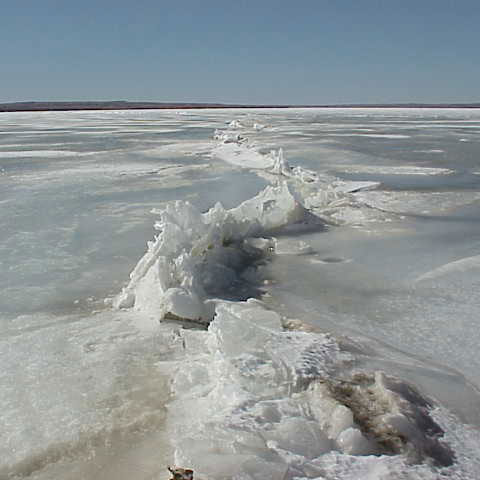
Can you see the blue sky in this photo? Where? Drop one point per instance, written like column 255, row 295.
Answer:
column 297, row 51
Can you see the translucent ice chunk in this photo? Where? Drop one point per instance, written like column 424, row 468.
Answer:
column 352, row 441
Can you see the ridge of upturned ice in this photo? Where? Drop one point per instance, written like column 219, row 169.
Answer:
column 192, row 247
column 327, row 197
column 255, row 399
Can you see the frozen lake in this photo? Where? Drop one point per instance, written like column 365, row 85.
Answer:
column 334, row 253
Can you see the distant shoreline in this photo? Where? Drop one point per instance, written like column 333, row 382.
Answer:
column 123, row 105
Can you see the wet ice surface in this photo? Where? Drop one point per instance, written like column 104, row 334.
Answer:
column 369, row 231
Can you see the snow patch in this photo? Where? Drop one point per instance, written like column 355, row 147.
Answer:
column 463, row 265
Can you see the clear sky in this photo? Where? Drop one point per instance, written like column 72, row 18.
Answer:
column 250, row 51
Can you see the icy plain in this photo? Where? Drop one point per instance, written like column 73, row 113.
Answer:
column 249, row 293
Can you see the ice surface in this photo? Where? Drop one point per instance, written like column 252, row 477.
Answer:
column 369, row 135
column 242, row 156
column 83, row 384
column 392, row 170
column 83, row 396
column 432, row 150
column 37, row 153
column 185, row 148
column 416, row 202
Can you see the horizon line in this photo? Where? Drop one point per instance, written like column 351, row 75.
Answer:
column 72, row 105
